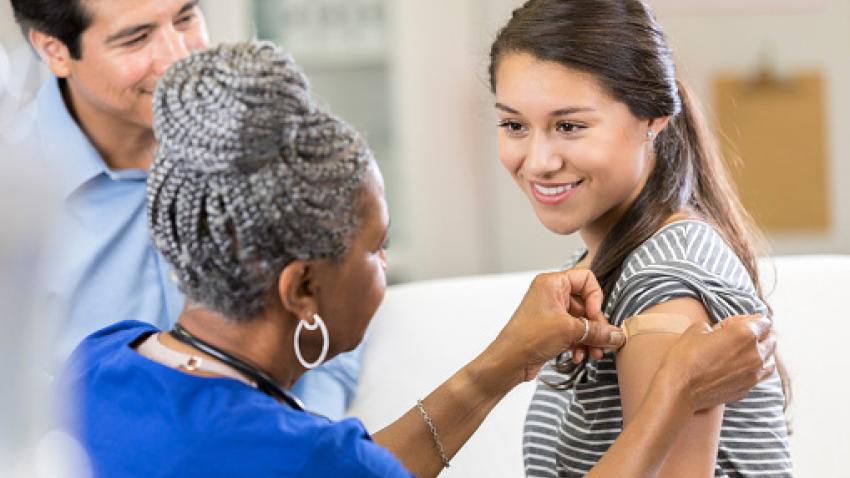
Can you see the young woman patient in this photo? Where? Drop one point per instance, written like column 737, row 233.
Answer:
column 601, row 136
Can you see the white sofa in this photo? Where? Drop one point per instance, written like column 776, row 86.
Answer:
column 425, row 331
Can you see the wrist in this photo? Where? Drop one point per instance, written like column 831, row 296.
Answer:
column 493, row 374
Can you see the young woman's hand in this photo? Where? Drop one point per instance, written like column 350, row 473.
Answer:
column 544, row 326
column 721, row 364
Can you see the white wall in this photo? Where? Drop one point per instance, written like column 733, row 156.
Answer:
column 27, row 446
column 228, row 20
column 20, row 70
column 437, row 95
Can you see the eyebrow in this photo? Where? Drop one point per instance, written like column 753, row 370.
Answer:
column 136, row 29
column 558, row 112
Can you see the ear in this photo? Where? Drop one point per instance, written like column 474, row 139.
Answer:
column 53, row 52
column 297, row 287
column 658, row 124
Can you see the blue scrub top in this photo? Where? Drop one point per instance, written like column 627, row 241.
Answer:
column 136, row 417
column 102, row 266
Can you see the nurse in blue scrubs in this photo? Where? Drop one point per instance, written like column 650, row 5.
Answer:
column 271, row 211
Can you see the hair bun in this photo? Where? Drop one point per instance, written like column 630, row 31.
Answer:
column 232, row 106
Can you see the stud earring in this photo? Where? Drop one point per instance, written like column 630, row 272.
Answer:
column 650, row 134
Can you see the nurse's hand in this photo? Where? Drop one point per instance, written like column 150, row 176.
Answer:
column 722, row 364
column 542, row 326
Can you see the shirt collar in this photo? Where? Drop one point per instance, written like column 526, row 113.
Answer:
column 67, row 150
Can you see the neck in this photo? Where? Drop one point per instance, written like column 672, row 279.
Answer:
column 594, row 233
column 121, row 144
column 263, row 342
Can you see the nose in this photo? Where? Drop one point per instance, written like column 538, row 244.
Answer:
column 170, row 48
column 541, row 159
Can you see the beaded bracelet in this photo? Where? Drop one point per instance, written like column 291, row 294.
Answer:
column 439, row 444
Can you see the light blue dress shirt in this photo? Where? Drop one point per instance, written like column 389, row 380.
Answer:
column 102, row 267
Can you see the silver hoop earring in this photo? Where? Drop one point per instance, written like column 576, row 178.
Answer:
column 318, row 323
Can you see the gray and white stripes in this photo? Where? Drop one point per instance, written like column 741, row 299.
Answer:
column 567, row 431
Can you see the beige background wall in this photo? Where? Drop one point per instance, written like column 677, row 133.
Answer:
column 457, row 212
column 818, row 39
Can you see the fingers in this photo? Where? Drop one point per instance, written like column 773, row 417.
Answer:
column 755, row 330
column 579, row 352
column 767, row 350
column 601, row 335
column 577, row 308
column 767, row 369
column 582, row 283
column 760, row 326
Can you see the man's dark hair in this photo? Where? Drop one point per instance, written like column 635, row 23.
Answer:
column 63, row 19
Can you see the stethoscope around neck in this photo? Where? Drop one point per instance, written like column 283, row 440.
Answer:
column 264, row 382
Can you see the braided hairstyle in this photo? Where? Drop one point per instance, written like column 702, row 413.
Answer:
column 250, row 174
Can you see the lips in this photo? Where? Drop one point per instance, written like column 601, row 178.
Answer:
column 554, row 193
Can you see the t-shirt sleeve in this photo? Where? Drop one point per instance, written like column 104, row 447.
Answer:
column 688, row 259
column 346, row 449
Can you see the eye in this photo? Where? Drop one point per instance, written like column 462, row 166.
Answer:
column 185, row 19
column 512, row 128
column 567, row 127
column 137, row 40
column 386, row 244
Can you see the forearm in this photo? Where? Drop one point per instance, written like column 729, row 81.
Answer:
column 640, row 450
column 457, row 408
column 539, row 330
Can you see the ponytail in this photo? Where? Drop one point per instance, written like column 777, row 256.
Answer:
column 621, row 44
column 689, row 173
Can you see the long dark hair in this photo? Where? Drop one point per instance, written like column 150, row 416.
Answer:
column 622, row 45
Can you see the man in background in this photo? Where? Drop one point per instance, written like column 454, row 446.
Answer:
column 92, row 137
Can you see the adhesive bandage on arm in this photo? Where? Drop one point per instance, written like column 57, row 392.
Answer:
column 643, row 324
column 650, row 337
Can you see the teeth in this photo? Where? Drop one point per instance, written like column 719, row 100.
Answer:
column 554, row 190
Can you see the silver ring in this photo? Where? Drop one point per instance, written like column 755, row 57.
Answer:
column 586, row 331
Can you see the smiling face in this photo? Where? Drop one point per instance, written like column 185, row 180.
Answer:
column 126, row 49
column 580, row 156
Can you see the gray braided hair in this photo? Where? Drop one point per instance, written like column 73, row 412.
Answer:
column 250, row 174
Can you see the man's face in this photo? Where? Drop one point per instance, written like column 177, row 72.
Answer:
column 127, row 48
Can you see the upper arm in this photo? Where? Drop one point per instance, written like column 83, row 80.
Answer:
column 695, row 451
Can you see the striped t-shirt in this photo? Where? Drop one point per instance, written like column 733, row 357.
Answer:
column 567, row 431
